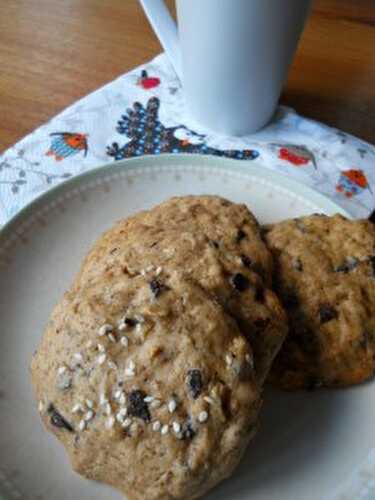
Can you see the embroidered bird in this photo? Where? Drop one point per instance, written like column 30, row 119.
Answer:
column 297, row 155
column 66, row 144
column 352, row 182
column 148, row 135
column 148, row 82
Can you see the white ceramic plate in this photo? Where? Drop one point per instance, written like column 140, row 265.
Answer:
column 308, row 443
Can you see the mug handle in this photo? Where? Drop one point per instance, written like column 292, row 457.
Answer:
column 165, row 29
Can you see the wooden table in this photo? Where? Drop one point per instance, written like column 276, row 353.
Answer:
column 53, row 52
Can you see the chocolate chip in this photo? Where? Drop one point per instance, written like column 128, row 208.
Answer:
column 195, row 382
column 297, row 264
column 187, row 431
column 214, row 244
column 290, row 300
column 240, row 235
column 372, row 217
column 246, row 261
column 131, row 322
column 157, row 288
column 239, row 282
column 137, row 406
column 327, row 313
column 350, row 264
column 261, row 323
column 58, row 420
column 259, row 293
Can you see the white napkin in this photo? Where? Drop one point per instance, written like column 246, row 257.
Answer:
column 143, row 112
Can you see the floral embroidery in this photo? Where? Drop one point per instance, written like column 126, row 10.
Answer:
column 352, row 182
column 25, row 170
column 299, row 156
column 149, row 136
column 66, row 144
column 148, row 82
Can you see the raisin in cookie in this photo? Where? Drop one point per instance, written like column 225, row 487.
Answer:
column 149, row 385
column 324, row 274
column 214, row 243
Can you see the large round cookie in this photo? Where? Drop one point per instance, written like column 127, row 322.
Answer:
column 149, row 385
column 324, row 274
column 215, row 243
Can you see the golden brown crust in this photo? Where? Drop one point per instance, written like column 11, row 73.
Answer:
column 157, row 311
column 215, row 243
column 324, row 274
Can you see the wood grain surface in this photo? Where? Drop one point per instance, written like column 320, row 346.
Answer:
column 53, row 52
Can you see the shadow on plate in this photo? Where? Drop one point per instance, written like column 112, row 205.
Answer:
column 295, row 430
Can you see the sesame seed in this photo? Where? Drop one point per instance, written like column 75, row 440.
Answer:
column 61, row 370
column 148, row 399
column 122, row 399
column 117, row 394
column 111, row 364
column 158, row 270
column 124, row 341
column 100, row 347
column 131, row 365
column 148, row 269
column 176, row 427
column 209, row 400
column 77, row 408
column 82, row 425
column 89, row 416
column 138, row 328
column 40, row 406
column 172, row 405
column 155, row 404
column 108, row 409
column 111, row 337
column 110, row 422
column 203, row 417
column 103, row 330
column 129, row 373
column 78, row 356
column 123, row 412
column 89, row 403
column 127, row 423
column 139, row 318
column 122, row 326
column 164, row 430
column 89, row 344
column 229, row 359
column 102, row 399
column 120, row 417
column 100, row 359
column 156, row 426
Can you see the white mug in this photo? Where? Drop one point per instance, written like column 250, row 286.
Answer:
column 232, row 56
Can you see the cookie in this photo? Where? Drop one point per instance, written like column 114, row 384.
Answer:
column 325, row 276
column 216, row 244
column 148, row 384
